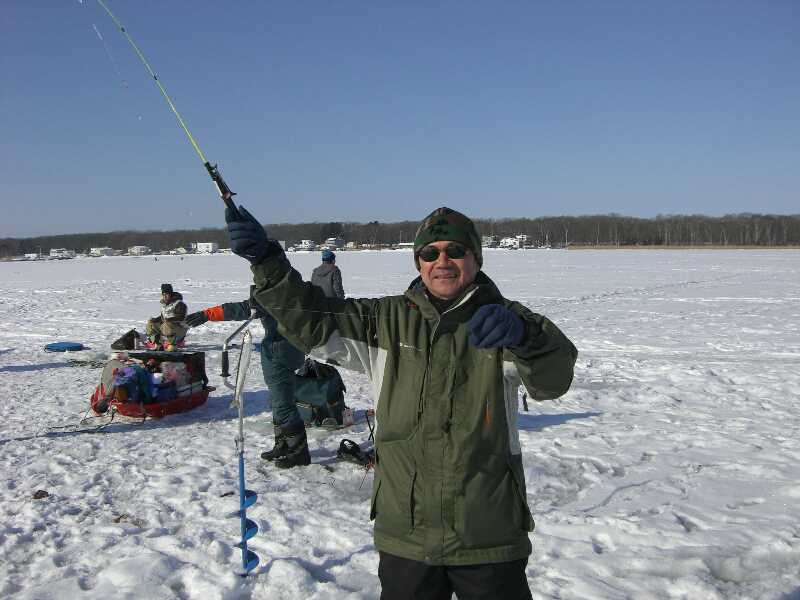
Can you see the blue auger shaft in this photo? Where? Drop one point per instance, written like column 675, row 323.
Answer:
column 248, row 528
column 242, row 510
column 247, row 497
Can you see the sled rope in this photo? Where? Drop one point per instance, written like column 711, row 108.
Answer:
column 83, row 421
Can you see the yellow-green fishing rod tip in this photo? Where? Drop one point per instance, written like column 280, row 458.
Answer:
column 156, row 79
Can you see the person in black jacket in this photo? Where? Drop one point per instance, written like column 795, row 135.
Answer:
column 328, row 276
column 279, row 361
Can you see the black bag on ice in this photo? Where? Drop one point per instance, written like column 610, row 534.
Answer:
column 126, row 342
column 319, row 394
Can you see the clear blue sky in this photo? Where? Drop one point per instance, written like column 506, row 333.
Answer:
column 357, row 111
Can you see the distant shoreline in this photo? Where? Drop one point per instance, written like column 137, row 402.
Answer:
column 681, row 247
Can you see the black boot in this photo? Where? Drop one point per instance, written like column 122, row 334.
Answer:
column 280, row 448
column 297, row 454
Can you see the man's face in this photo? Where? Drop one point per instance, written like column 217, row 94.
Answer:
column 165, row 297
column 447, row 277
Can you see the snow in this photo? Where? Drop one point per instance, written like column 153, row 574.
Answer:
column 670, row 470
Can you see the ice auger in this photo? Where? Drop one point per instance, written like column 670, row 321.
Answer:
column 246, row 497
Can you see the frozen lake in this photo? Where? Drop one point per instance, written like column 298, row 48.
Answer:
column 670, row 470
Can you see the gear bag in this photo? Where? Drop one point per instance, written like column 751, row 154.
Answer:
column 319, row 394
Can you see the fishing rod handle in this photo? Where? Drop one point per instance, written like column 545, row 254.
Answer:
column 224, row 191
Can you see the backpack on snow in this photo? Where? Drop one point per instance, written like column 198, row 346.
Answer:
column 319, row 394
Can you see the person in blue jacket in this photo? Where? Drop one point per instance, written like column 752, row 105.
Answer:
column 279, row 361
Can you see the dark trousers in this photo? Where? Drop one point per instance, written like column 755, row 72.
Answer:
column 403, row 579
column 279, row 361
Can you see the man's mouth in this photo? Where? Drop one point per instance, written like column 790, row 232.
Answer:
column 446, row 275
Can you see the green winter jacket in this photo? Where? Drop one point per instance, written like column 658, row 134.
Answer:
column 449, row 485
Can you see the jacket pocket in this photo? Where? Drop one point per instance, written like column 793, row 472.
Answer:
column 401, row 390
column 394, row 504
column 490, row 510
column 477, row 389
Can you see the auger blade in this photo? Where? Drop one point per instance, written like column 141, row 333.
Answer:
column 250, row 498
column 250, row 529
column 251, row 561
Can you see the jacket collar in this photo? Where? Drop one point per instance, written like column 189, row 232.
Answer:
column 174, row 297
column 481, row 291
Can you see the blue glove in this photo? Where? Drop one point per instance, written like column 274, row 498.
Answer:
column 494, row 326
column 247, row 236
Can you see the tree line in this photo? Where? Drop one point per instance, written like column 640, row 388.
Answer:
column 594, row 230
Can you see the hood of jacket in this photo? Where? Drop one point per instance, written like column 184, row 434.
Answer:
column 173, row 298
column 325, row 268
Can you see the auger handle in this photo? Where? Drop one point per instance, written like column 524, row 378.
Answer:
column 225, row 372
column 229, row 339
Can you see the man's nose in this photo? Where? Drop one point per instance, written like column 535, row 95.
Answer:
column 442, row 260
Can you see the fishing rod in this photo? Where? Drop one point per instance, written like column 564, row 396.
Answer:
column 224, row 191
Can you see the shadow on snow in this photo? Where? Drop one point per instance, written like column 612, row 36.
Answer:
column 39, row 367
column 539, row 422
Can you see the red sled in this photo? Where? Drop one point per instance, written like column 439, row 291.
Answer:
column 139, row 396
column 164, row 407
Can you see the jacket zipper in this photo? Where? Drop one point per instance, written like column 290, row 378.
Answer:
column 426, row 375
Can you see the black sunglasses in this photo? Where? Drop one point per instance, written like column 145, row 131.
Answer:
column 431, row 253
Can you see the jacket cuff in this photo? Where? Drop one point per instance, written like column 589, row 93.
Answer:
column 271, row 270
column 215, row 313
column 534, row 341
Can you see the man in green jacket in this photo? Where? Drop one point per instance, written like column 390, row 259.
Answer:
column 446, row 359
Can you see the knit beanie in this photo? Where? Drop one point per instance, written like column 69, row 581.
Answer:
column 448, row 225
column 328, row 256
column 166, row 288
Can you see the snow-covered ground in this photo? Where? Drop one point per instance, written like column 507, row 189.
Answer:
column 670, row 470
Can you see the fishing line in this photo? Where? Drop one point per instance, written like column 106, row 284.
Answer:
column 224, row 191
column 110, row 56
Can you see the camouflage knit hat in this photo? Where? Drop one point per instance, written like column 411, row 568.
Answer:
column 448, row 225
